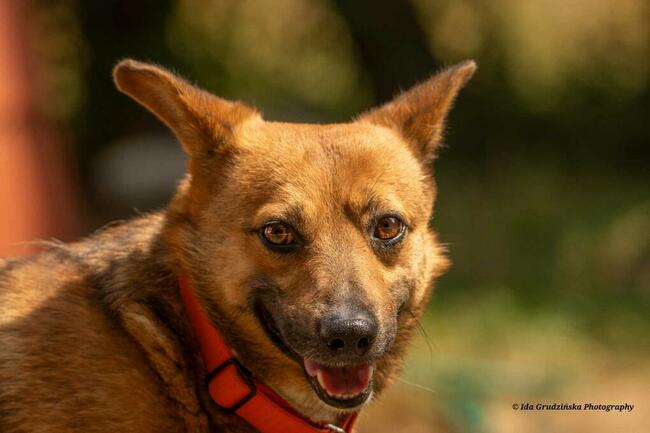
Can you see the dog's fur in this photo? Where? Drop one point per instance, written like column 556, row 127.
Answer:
column 93, row 335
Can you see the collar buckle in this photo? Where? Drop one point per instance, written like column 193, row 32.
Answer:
column 231, row 375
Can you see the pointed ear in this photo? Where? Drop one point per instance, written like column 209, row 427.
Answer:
column 201, row 121
column 419, row 113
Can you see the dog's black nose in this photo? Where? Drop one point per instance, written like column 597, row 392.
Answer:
column 349, row 333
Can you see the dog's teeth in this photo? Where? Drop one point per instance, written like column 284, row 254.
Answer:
column 345, row 396
column 319, row 378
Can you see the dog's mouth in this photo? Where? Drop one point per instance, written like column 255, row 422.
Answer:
column 343, row 387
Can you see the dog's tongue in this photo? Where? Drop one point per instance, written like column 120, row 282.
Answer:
column 340, row 381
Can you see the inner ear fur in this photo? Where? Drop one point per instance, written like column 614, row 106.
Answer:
column 202, row 121
column 419, row 113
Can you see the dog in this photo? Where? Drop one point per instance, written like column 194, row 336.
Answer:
column 277, row 291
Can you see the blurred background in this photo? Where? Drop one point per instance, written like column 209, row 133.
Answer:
column 544, row 186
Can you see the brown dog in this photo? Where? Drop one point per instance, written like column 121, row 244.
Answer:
column 308, row 247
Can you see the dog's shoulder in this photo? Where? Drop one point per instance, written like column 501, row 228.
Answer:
column 85, row 268
column 65, row 353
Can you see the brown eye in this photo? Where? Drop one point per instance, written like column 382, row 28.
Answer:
column 388, row 228
column 278, row 234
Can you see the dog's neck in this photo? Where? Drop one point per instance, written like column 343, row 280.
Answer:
column 231, row 385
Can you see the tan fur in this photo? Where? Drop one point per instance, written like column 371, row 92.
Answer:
column 93, row 336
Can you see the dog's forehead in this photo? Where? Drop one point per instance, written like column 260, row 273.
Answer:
column 321, row 149
column 342, row 164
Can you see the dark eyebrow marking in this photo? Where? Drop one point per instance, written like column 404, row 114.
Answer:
column 294, row 216
column 355, row 213
column 373, row 205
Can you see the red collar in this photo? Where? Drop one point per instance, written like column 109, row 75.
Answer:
column 234, row 389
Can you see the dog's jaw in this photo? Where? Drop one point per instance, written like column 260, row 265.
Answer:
column 317, row 374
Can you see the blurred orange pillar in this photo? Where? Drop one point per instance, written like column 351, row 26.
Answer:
column 35, row 194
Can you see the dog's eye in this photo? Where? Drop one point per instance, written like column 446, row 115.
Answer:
column 278, row 234
column 388, row 227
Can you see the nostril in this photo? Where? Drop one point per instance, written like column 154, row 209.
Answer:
column 362, row 345
column 336, row 344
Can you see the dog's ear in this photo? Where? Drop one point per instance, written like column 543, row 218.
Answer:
column 201, row 121
column 419, row 113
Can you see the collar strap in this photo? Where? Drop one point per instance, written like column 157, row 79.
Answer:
column 234, row 389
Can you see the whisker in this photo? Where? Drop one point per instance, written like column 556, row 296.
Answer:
column 424, row 334
column 417, row 385
column 43, row 243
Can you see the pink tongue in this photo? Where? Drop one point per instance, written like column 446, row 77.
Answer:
column 340, row 381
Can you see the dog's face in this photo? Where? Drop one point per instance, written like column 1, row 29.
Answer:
column 309, row 244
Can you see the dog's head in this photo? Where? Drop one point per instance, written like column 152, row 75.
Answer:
column 309, row 245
